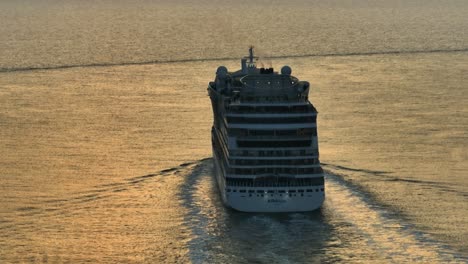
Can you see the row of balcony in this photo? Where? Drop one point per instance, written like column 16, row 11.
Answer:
column 260, row 154
column 274, row 171
column 276, row 162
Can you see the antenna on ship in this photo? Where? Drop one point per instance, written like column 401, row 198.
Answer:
column 251, row 56
column 248, row 67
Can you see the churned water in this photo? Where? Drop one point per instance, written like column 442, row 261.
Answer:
column 105, row 152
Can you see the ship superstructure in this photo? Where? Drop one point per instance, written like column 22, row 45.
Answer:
column 264, row 138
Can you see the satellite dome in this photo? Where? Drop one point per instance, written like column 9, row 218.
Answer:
column 221, row 71
column 286, row 70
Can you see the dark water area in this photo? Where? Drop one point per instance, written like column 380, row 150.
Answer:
column 105, row 130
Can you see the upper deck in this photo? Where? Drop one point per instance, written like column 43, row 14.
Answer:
column 260, row 89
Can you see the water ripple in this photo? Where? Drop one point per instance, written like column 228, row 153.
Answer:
column 371, row 53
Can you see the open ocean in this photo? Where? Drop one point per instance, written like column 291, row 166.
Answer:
column 105, row 151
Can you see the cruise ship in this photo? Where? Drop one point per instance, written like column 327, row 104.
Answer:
column 264, row 140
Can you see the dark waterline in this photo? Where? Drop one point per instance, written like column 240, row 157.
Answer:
column 58, row 67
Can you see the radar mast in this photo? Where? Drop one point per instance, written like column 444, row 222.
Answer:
column 251, row 56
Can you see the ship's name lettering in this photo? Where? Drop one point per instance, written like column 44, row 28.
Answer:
column 276, row 201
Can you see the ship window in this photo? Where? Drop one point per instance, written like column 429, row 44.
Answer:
column 251, row 191
column 271, row 191
column 301, row 191
column 234, row 190
column 259, row 191
column 292, row 191
column 281, row 191
column 321, row 189
column 274, row 181
column 242, row 191
column 310, row 190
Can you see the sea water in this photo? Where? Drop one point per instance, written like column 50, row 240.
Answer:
column 105, row 151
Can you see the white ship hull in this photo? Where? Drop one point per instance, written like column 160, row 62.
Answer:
column 253, row 201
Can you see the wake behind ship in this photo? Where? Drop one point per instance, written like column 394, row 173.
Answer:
column 264, row 139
